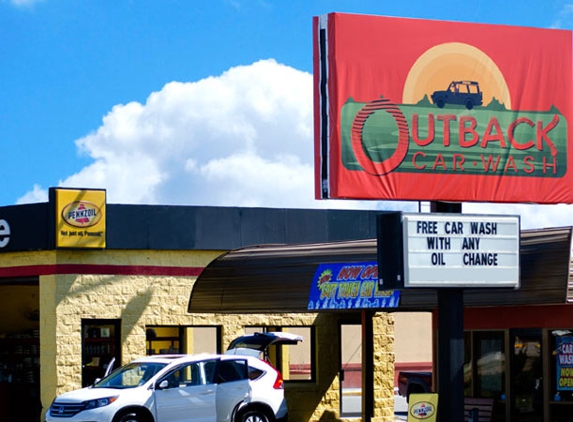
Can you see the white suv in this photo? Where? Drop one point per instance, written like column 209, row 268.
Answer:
column 234, row 387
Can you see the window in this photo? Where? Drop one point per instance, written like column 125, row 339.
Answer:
column 209, row 368
column 561, row 375
column 294, row 361
column 350, row 369
column 484, row 364
column 191, row 374
column 100, row 348
column 131, row 375
column 526, row 366
column 185, row 376
column 231, row 370
column 299, row 357
column 181, row 339
column 254, row 373
column 200, row 339
column 489, row 353
column 163, row 340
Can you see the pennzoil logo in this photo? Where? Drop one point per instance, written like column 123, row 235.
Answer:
column 81, row 214
column 422, row 410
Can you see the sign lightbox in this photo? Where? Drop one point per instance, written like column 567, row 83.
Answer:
column 80, row 217
column 449, row 250
column 443, row 250
column 412, row 109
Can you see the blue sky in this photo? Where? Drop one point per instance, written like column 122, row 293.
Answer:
column 114, row 94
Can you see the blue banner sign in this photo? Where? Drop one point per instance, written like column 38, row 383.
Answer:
column 349, row 286
column 564, row 363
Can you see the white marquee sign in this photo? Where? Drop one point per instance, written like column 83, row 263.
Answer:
column 461, row 250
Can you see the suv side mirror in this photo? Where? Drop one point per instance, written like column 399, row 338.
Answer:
column 163, row 384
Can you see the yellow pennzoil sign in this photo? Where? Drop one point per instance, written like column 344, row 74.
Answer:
column 423, row 407
column 80, row 218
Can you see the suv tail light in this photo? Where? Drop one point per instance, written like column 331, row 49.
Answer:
column 279, row 383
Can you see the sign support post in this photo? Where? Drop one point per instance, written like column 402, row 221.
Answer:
column 449, row 252
column 451, row 354
column 450, row 342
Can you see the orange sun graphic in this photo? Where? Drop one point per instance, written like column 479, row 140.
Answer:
column 444, row 63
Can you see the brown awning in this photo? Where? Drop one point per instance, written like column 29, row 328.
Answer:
column 277, row 278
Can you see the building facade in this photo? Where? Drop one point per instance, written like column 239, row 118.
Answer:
column 68, row 313
column 191, row 279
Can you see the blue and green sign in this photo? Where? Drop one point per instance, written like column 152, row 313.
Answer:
column 349, row 286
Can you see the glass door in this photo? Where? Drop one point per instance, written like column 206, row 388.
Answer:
column 485, row 369
column 489, row 354
column 350, row 369
column 526, row 375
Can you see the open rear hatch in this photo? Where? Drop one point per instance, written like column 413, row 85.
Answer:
column 257, row 343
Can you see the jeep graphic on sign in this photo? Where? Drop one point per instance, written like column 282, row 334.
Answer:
column 459, row 92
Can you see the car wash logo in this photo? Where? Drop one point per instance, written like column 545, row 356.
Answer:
column 453, row 119
column 81, row 214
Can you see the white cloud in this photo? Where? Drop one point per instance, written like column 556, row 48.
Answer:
column 37, row 194
column 564, row 17
column 244, row 138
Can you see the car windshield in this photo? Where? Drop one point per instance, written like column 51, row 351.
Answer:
column 131, row 375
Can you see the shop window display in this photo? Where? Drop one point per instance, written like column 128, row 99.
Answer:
column 101, row 351
column 20, row 376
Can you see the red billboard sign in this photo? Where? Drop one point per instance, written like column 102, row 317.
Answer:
column 412, row 109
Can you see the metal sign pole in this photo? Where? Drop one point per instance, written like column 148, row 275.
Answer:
column 448, row 252
column 450, row 342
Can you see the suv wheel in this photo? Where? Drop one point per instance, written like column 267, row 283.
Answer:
column 254, row 416
column 440, row 103
column 130, row 417
column 469, row 104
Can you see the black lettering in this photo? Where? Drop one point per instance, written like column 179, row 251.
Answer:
column 454, row 227
column 439, row 242
column 471, row 243
column 427, row 227
column 438, row 259
column 483, row 228
column 483, row 259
